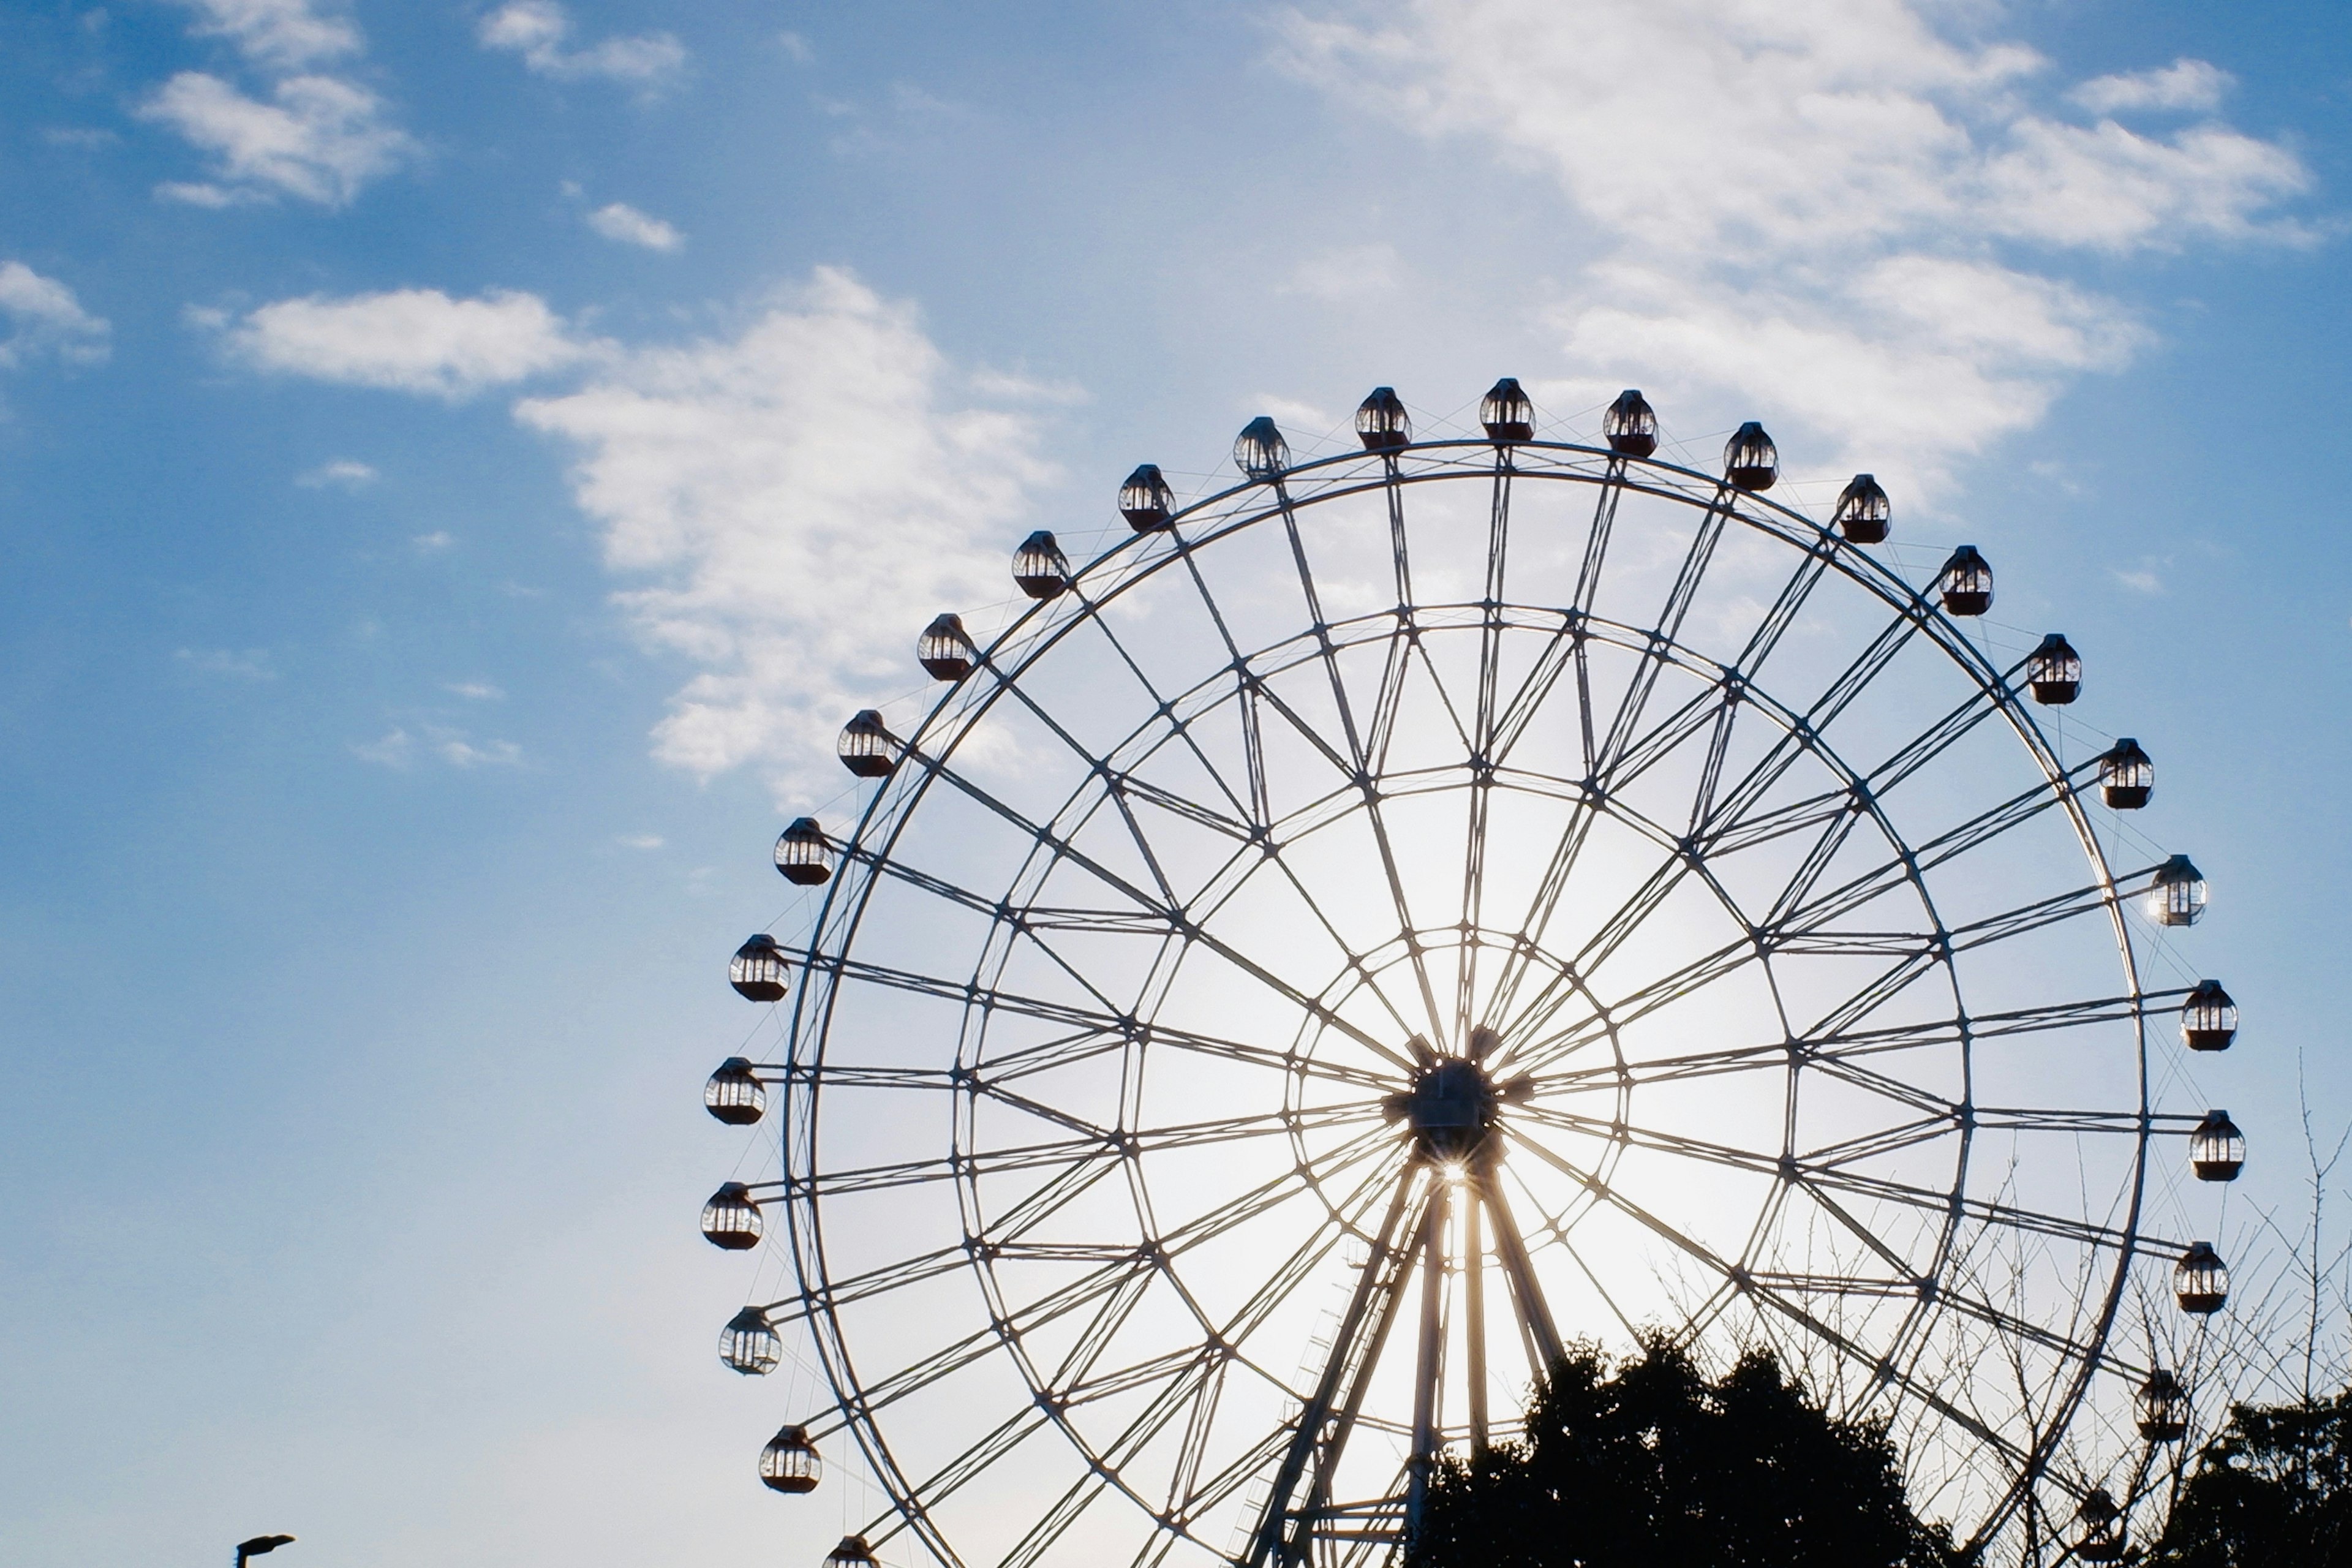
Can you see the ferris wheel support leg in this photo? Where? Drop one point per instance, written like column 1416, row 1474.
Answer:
column 1511, row 1250
column 1383, row 1275
column 1474, row 1307
column 1429, row 1367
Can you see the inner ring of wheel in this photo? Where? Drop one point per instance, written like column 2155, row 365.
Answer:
column 1547, row 1228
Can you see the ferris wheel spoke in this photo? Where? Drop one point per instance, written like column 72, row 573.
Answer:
column 950, row 1167
column 1823, row 1199
column 1106, row 1468
column 1987, row 1212
column 1708, row 710
column 1106, row 1033
column 1818, row 811
column 1683, row 1067
column 1540, row 1050
column 1380, row 1180
column 1979, row 1026
column 974, row 1461
column 1184, row 925
column 1192, row 811
column 1886, row 1140
column 1885, row 1086
column 1708, row 714
column 1270, row 1193
column 1554, row 659
column 1113, row 791
column 2043, row 912
column 1164, row 713
column 1796, row 741
column 882, row 1280
column 1777, row 1300
column 1893, row 873
column 1206, row 1495
column 1935, row 740
column 1351, row 765
column 1920, row 960
column 1785, row 607
column 1679, row 599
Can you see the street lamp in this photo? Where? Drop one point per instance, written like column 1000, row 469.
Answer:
column 258, row 1545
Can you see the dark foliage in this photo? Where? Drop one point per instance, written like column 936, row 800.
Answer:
column 1652, row 1466
column 2273, row 1490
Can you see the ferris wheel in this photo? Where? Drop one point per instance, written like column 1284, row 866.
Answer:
column 1405, row 911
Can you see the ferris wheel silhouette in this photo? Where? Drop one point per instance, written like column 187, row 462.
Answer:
column 1404, row 911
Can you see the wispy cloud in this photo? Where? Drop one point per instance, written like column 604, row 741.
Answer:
column 793, row 502
column 253, row 664
column 474, row 690
column 313, row 136
column 340, row 473
column 403, row 748
column 409, row 340
column 2185, row 84
column 1827, row 211
column 640, row 841
column 619, row 221
column 286, row 34
column 1349, row 275
column 540, row 32
column 765, row 484
column 45, row 317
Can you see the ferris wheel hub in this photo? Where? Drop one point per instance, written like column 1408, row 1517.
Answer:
column 1451, row 1108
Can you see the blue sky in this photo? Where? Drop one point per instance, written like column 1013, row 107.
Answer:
column 459, row 463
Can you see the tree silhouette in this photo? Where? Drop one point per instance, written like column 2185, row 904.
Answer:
column 1652, row 1466
column 2273, row 1490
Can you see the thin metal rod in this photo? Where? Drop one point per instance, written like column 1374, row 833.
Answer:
column 1474, row 1304
column 1429, row 1367
column 1511, row 1252
column 1304, row 1436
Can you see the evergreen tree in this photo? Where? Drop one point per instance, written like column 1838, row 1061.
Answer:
column 2273, row 1490
column 1652, row 1466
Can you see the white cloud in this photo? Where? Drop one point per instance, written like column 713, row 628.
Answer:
column 1825, row 209
column 538, row 31
column 640, row 840
column 1350, row 275
column 801, row 498
column 321, row 140
column 625, row 222
column 476, row 690
column 45, row 317
column 2184, row 84
column 342, row 473
column 409, row 340
column 434, row 543
column 399, row 749
column 798, row 500
column 453, row 748
column 283, row 34
column 253, row 664
column 1298, row 420
column 204, row 193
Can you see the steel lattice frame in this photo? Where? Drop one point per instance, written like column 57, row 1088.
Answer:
column 1119, row 1165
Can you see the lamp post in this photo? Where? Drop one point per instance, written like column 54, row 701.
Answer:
column 258, row 1545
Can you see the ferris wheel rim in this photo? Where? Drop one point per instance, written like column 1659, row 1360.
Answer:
column 1892, row 591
